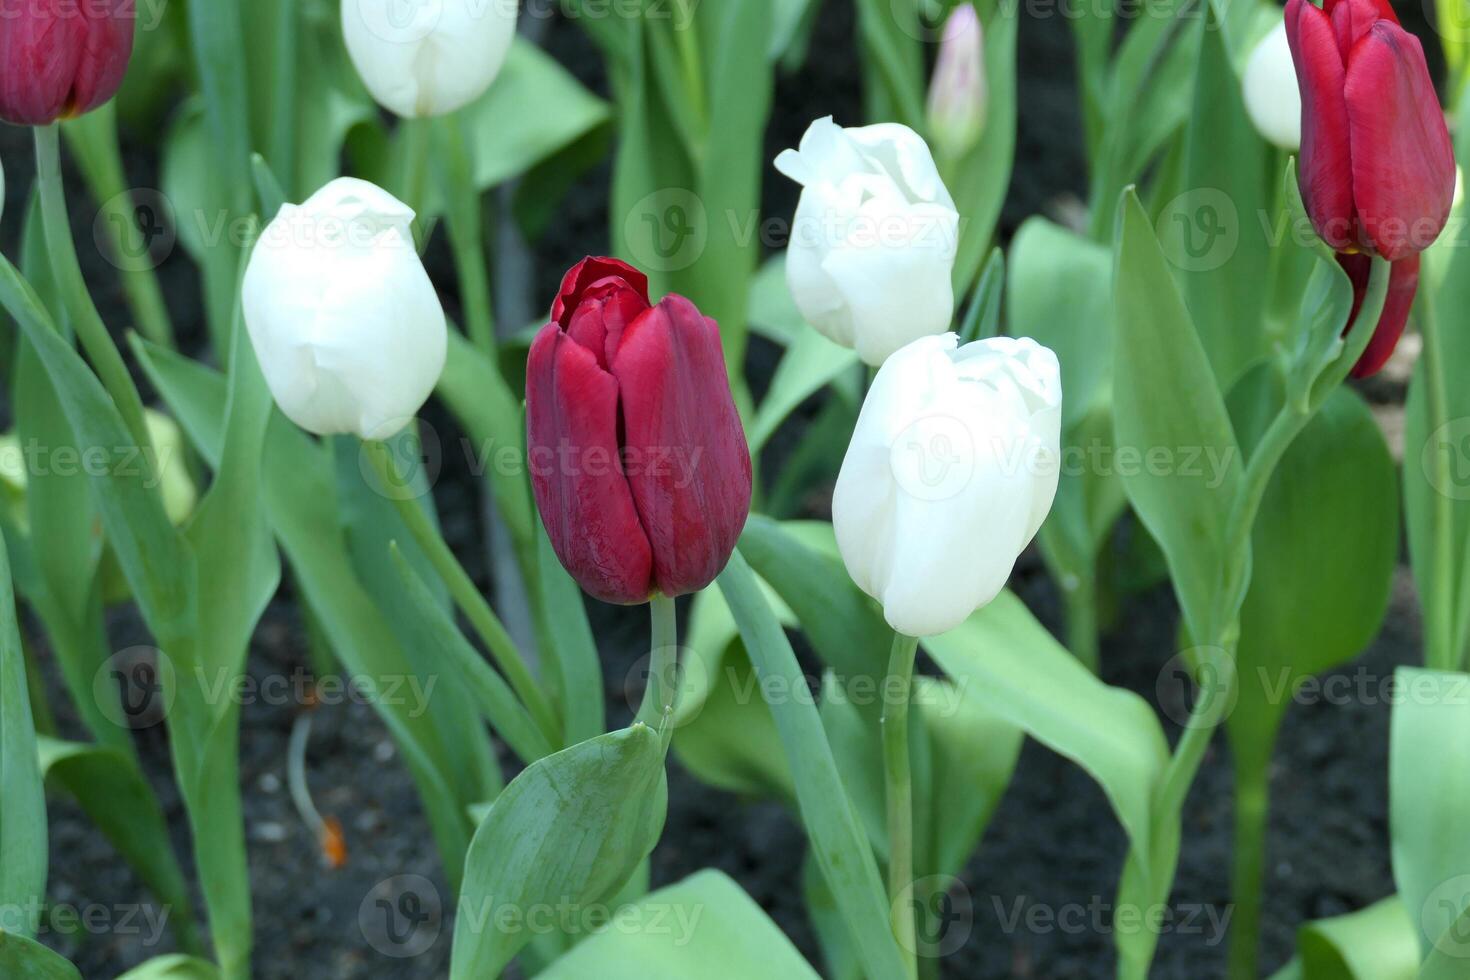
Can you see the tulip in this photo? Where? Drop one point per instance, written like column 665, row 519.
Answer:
column 873, row 246
column 1269, row 89
column 1377, row 168
column 639, row 463
column 438, row 59
column 957, row 93
column 61, row 58
column 952, row 468
column 345, row 323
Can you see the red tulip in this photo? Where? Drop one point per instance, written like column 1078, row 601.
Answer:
column 61, row 58
column 1377, row 167
column 638, row 460
column 1403, row 281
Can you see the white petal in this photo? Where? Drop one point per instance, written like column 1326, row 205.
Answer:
column 902, row 154
column 1272, row 97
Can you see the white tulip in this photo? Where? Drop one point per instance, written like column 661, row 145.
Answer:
column 952, row 469
column 1272, row 98
column 873, row 245
column 345, row 322
column 429, row 57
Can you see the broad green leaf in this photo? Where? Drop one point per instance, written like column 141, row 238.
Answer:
column 1429, row 796
column 1012, row 668
column 1170, row 416
column 22, row 798
column 771, row 311
column 26, row 959
column 569, row 640
column 1376, row 943
column 837, row 839
column 704, row 923
column 810, row 364
column 174, row 967
column 534, row 109
column 1318, row 595
column 117, row 798
column 1446, row 961
column 1212, row 233
column 571, row 829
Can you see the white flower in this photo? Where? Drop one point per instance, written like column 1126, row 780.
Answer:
column 873, row 245
column 345, row 323
column 952, row 469
column 1272, row 98
column 428, row 57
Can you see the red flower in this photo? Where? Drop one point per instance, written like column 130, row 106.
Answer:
column 61, row 58
column 638, row 460
column 1377, row 166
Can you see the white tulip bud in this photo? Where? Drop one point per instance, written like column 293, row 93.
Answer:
column 429, row 57
column 952, row 469
column 958, row 92
column 873, row 244
column 345, row 322
column 1272, row 98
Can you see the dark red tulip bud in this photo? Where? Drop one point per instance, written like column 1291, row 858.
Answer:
column 638, row 460
column 61, row 58
column 1403, row 281
column 1377, row 167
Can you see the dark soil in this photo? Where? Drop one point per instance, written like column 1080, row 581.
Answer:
column 1053, row 843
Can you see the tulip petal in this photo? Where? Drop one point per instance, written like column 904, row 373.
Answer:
column 587, row 273
column 1402, row 161
column 688, row 463
column 577, row 472
column 106, row 49
column 1326, row 168
column 1403, row 283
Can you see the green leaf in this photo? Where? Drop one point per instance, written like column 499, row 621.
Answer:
column 982, row 319
column 1168, row 410
column 26, row 959
column 1446, row 961
column 703, row 923
column 1376, row 943
column 569, row 640
column 810, row 364
column 534, row 109
column 117, row 798
column 1212, row 233
column 1429, row 796
column 571, row 829
column 173, row 967
column 22, row 798
column 837, row 839
column 771, row 311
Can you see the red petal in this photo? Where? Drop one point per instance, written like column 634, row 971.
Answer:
column 1402, row 161
column 1352, row 18
column 104, row 59
column 61, row 58
column 589, row 272
column 687, row 458
column 1403, row 282
column 1326, row 162
column 577, row 473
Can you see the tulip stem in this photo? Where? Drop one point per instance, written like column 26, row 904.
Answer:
column 71, row 288
column 462, row 588
column 663, row 663
column 464, row 216
column 1441, row 640
column 900, row 795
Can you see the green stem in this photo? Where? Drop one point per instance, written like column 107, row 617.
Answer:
column 1251, row 805
column 900, row 794
column 1440, row 652
column 462, row 588
column 1082, row 639
column 414, row 136
column 85, row 319
column 464, row 216
column 663, row 663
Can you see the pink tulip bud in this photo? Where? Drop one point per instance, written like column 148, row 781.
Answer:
column 958, row 93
